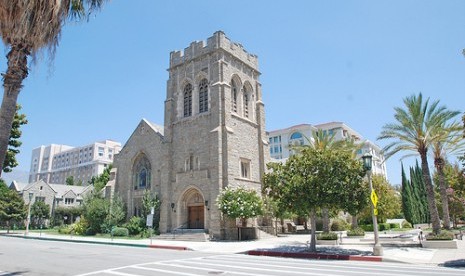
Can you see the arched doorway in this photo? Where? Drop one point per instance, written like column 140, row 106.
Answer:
column 195, row 209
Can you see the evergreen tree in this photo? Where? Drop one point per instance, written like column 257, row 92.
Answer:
column 408, row 201
column 419, row 193
column 12, row 207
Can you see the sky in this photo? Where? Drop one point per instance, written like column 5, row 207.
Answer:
column 321, row 61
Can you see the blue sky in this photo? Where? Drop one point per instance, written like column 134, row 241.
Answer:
column 321, row 61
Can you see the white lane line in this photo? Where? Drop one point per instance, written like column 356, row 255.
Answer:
column 207, row 269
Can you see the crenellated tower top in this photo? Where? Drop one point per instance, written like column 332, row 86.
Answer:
column 217, row 41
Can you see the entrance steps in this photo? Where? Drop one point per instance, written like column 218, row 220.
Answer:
column 181, row 234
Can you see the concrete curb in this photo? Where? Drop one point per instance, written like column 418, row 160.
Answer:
column 318, row 256
column 153, row 246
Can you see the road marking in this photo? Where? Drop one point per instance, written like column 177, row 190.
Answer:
column 205, row 269
column 264, row 266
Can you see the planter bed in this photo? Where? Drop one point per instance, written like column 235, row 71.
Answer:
column 439, row 244
column 327, row 242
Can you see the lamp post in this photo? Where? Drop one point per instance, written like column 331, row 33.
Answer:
column 28, row 219
column 377, row 249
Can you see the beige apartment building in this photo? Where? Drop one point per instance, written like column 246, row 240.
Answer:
column 54, row 163
column 281, row 139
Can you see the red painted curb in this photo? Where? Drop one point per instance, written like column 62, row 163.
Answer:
column 169, row 247
column 319, row 256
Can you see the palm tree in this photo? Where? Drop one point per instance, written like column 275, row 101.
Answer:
column 27, row 27
column 415, row 132
column 448, row 140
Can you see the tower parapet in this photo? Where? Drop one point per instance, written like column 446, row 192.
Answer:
column 217, row 41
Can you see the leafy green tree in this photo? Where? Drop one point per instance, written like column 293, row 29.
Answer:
column 27, row 27
column 95, row 211
column 14, row 143
column 455, row 177
column 321, row 140
column 240, row 203
column 389, row 202
column 150, row 200
column 39, row 212
column 12, row 207
column 100, row 181
column 415, row 131
column 70, row 180
column 272, row 189
column 115, row 214
column 319, row 178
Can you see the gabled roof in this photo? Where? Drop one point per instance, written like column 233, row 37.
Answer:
column 62, row 189
column 155, row 127
column 59, row 189
column 18, row 186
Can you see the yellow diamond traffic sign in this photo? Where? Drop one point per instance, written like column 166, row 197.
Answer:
column 375, row 212
column 374, row 198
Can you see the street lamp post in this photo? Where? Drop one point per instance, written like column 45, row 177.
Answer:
column 377, row 249
column 28, row 219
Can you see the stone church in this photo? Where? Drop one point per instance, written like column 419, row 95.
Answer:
column 213, row 137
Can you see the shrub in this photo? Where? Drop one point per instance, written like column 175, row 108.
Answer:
column 65, row 230
column 367, row 227
column 406, row 224
column 339, row 225
column 356, row 232
column 384, row 226
column 394, row 225
column 135, row 225
column 443, row 236
column 327, row 236
column 80, row 227
column 120, row 232
column 90, row 231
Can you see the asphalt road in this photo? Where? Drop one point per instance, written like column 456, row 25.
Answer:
column 38, row 257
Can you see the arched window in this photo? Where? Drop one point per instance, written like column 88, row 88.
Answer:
column 234, row 96
column 246, row 102
column 142, row 178
column 203, row 96
column 142, row 173
column 188, row 100
column 296, row 139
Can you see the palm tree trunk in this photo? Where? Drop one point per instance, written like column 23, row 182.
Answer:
column 433, row 210
column 439, row 162
column 16, row 72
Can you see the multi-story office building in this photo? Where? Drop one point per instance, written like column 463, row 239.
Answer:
column 55, row 163
column 281, row 140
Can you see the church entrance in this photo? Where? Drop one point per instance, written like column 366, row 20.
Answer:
column 196, row 217
column 194, row 209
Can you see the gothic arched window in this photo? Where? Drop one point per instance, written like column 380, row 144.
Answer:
column 142, row 173
column 203, row 96
column 246, row 102
column 188, row 100
column 234, row 96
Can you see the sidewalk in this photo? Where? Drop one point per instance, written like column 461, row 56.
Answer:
column 289, row 245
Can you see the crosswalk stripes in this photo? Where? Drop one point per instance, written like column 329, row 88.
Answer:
column 268, row 266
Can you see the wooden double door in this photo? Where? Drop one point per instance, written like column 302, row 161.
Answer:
column 196, row 217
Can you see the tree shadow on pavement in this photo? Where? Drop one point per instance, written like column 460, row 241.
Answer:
column 333, row 250
column 460, row 263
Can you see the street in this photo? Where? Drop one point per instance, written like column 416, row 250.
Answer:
column 34, row 257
